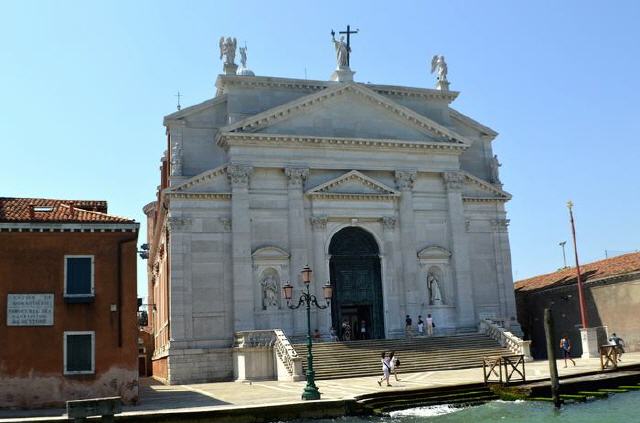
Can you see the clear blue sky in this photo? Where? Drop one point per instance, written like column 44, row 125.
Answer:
column 85, row 85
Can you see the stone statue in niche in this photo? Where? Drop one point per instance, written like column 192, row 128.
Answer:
column 269, row 292
column 433, row 285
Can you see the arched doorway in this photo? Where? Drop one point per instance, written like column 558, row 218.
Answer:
column 355, row 275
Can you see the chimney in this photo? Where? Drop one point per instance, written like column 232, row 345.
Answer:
column 72, row 209
column 32, row 214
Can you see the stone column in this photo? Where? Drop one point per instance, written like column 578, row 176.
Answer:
column 297, row 237
column 179, row 229
column 243, row 303
column 320, row 274
column 460, row 250
column 391, row 280
column 408, row 249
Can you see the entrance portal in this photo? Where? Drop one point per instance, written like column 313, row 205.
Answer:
column 355, row 275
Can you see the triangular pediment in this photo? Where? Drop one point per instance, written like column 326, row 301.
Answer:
column 476, row 188
column 353, row 184
column 214, row 180
column 347, row 110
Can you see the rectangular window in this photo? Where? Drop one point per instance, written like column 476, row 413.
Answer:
column 78, row 276
column 79, row 353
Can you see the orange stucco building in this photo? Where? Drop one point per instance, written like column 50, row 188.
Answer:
column 68, row 299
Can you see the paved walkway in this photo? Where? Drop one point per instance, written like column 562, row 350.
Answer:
column 155, row 397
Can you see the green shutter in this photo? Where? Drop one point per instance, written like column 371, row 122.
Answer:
column 79, row 275
column 79, row 355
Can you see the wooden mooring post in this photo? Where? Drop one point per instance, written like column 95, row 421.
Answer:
column 551, row 356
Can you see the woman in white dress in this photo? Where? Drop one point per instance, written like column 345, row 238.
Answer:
column 386, row 368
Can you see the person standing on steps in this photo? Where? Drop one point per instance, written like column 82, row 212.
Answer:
column 565, row 346
column 386, row 368
column 430, row 325
column 346, row 330
column 420, row 326
column 363, row 329
column 394, row 361
column 408, row 327
column 334, row 335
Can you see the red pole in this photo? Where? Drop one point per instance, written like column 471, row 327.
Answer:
column 583, row 308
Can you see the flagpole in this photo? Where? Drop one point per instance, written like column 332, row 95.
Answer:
column 583, row 311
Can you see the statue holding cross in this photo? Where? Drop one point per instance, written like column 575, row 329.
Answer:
column 343, row 49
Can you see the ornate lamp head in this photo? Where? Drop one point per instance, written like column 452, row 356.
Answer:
column 288, row 291
column 306, row 275
column 327, row 290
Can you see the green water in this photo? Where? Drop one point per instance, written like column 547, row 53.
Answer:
column 623, row 408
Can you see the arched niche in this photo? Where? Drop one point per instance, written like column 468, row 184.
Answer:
column 435, row 270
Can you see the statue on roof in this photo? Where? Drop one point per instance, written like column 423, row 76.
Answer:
column 243, row 56
column 228, row 49
column 342, row 51
column 495, row 165
column 440, row 66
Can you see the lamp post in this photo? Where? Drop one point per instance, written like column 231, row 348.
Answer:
column 311, row 390
column 583, row 308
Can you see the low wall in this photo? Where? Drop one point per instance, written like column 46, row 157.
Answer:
column 160, row 370
column 41, row 390
column 200, row 365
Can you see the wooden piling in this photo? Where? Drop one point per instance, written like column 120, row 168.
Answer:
column 551, row 356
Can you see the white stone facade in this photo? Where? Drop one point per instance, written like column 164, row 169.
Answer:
column 271, row 169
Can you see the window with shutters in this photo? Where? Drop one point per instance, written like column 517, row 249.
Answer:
column 78, row 278
column 79, row 353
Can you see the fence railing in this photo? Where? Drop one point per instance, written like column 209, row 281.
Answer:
column 506, row 339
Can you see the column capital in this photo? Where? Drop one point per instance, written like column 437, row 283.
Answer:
column 389, row 223
column 178, row 224
column 453, row 180
column 405, row 179
column 318, row 223
column 296, row 175
column 500, row 225
column 239, row 175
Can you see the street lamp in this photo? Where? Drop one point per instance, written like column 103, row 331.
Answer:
column 311, row 390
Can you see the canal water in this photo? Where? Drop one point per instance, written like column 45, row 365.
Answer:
column 623, row 408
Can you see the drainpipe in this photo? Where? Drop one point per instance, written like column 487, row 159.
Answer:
column 120, row 288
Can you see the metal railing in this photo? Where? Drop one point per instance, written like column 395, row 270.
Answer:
column 506, row 339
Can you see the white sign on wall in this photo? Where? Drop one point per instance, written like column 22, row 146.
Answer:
column 30, row 310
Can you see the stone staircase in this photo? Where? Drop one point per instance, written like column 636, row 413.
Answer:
column 333, row 360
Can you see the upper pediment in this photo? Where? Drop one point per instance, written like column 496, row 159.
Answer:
column 214, row 180
column 353, row 184
column 347, row 110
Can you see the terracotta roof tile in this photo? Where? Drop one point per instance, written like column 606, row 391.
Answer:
column 59, row 211
column 601, row 269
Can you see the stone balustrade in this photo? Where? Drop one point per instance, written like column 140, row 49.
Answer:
column 506, row 339
column 265, row 355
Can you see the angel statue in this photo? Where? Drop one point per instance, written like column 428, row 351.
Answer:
column 438, row 64
column 228, row 49
column 243, row 56
column 342, row 51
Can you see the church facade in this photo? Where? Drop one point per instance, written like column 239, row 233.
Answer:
column 386, row 192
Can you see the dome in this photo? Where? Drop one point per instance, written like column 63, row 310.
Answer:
column 245, row 72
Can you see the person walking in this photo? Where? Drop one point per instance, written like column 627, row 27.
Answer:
column 408, row 327
column 618, row 343
column 386, row 368
column 420, row 326
column 395, row 363
column 565, row 346
column 430, row 325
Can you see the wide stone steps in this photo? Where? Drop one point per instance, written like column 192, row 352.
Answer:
column 386, row 401
column 333, row 360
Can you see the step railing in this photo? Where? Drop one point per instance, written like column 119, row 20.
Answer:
column 505, row 338
column 288, row 365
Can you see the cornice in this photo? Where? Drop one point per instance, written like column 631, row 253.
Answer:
column 485, row 185
column 199, row 195
column 485, row 199
column 473, row 123
column 350, row 176
column 353, row 196
column 176, row 117
column 224, row 81
column 227, row 139
column 68, row 227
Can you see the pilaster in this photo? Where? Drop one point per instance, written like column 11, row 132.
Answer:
column 320, row 268
column 392, row 280
column 243, row 307
column 500, row 228
column 297, row 232
column 405, row 180
column 180, row 283
column 461, row 261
